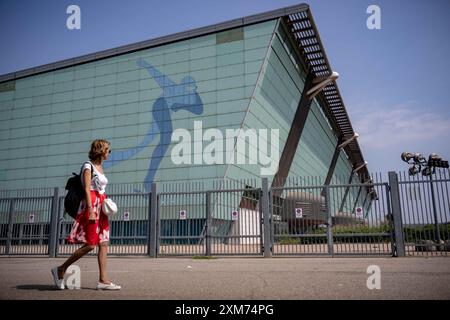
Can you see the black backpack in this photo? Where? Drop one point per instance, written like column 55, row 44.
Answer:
column 75, row 193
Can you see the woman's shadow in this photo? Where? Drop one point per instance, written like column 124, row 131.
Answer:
column 44, row 287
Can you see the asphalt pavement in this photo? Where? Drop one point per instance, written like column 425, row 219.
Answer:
column 237, row 278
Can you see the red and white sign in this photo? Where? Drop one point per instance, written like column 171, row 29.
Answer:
column 235, row 215
column 359, row 212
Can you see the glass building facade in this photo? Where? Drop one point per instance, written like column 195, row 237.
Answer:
column 248, row 77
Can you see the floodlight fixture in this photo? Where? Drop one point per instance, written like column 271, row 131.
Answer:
column 435, row 161
column 406, row 156
column 418, row 161
column 418, row 158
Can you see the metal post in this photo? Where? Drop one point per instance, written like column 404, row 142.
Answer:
column 10, row 225
column 20, row 233
column 295, row 133
column 397, row 214
column 208, row 223
column 332, row 166
column 390, row 218
column 267, row 221
column 152, row 222
column 347, row 189
column 437, row 233
column 41, row 233
column 329, row 222
column 54, row 220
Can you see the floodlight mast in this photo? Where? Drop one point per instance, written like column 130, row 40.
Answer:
column 416, row 160
column 434, row 161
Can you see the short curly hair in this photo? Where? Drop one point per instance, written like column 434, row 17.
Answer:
column 99, row 147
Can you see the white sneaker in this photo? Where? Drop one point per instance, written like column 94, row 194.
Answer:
column 59, row 283
column 111, row 286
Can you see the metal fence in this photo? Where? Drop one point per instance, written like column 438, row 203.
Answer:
column 397, row 216
column 129, row 228
column 25, row 219
column 332, row 220
column 425, row 206
column 223, row 220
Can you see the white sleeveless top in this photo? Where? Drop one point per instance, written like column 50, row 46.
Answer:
column 98, row 180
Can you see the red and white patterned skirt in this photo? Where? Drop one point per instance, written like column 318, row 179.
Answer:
column 90, row 232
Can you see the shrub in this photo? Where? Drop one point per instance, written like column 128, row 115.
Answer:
column 426, row 232
column 287, row 240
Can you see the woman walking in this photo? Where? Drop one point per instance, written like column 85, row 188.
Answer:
column 91, row 227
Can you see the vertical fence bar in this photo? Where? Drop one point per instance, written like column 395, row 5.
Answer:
column 390, row 221
column 272, row 224
column 10, row 225
column 54, row 219
column 446, row 210
column 417, row 211
column 330, row 221
column 428, row 235
column 403, row 192
column 439, row 247
column 60, row 226
column 396, row 214
column 208, row 223
column 152, row 216
column 437, row 234
column 266, row 218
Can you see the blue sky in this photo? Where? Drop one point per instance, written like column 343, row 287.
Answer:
column 394, row 81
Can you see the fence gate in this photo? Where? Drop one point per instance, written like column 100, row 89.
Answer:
column 222, row 220
column 235, row 222
column 181, row 223
column 353, row 219
column 299, row 221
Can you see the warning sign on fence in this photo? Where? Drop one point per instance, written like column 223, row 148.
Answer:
column 234, row 215
column 359, row 212
column 298, row 213
column 126, row 216
column 31, row 218
column 183, row 215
